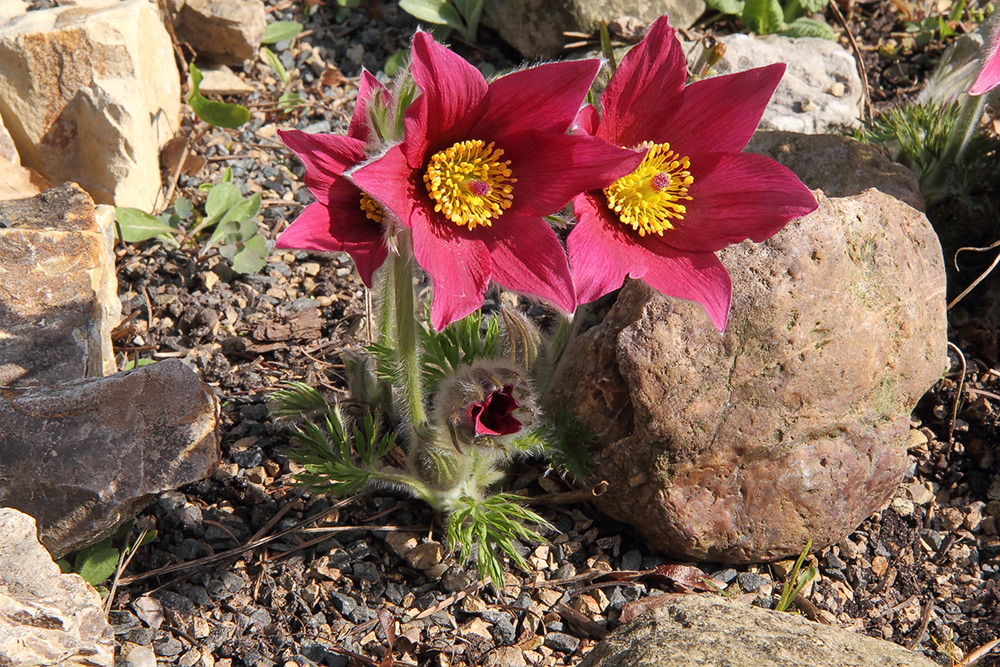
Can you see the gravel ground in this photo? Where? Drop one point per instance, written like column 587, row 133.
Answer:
column 249, row 570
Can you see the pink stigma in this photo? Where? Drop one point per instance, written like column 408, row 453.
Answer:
column 661, row 181
column 479, row 188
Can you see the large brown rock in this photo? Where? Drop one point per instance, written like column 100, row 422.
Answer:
column 224, row 31
column 58, row 289
column 790, row 426
column 86, row 455
column 46, row 617
column 90, row 93
column 709, row 630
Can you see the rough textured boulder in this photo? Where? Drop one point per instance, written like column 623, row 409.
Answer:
column 225, row 31
column 790, row 426
column 86, row 455
column 820, row 91
column 535, row 27
column 709, row 630
column 58, row 289
column 46, row 617
column 90, row 93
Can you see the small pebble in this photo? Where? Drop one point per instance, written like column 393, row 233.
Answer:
column 140, row 656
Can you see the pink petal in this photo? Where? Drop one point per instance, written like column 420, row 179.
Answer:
column 989, row 76
column 736, row 196
column 457, row 261
column 545, row 98
column 551, row 169
column 325, row 156
column 586, row 121
column 718, row 114
column 647, row 85
column 368, row 87
column 527, row 257
column 390, row 181
column 602, row 252
column 451, row 87
column 599, row 250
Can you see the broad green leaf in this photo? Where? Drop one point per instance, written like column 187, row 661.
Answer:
column 763, row 17
column 150, row 535
column 807, row 27
column 137, row 225
column 434, row 11
column 276, row 65
column 813, row 6
column 243, row 210
column 131, row 363
column 95, row 564
column 395, row 62
column 279, row 31
column 232, row 223
column 470, row 10
column 726, row 6
column 219, row 114
column 183, row 207
column 223, row 197
column 252, row 257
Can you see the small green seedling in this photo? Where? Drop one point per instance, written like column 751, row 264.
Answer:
column 460, row 15
column 98, row 562
column 288, row 99
column 796, row 581
column 218, row 114
column 766, row 17
column 281, row 31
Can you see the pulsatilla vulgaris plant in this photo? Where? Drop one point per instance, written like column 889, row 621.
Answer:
column 446, row 172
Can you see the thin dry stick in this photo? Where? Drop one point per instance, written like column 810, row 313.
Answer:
column 958, row 396
column 925, row 618
column 857, row 57
column 982, row 276
column 123, row 562
column 447, row 602
column 978, row 654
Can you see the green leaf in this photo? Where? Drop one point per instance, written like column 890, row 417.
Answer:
column 218, row 114
column 276, row 65
column 813, row 6
column 807, row 27
column 395, row 62
column 232, row 222
column 183, row 207
column 130, row 364
column 137, row 225
column 726, row 6
column 471, row 11
column 434, row 11
column 279, row 31
column 252, row 257
column 95, row 564
column 763, row 17
column 221, row 199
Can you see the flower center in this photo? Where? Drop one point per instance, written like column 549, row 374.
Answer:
column 373, row 211
column 469, row 183
column 649, row 198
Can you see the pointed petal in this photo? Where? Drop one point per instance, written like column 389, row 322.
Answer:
column 586, row 121
column 527, row 257
column 718, row 114
column 736, row 196
column 989, row 76
column 551, row 169
column 697, row 277
column 599, row 255
column 388, row 179
column 646, row 85
column 325, row 156
column 458, row 263
column 545, row 98
column 452, row 88
column 368, row 87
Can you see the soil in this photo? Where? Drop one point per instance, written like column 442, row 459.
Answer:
column 247, row 569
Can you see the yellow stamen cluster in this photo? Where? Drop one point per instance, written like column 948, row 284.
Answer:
column 649, row 198
column 469, row 183
column 373, row 211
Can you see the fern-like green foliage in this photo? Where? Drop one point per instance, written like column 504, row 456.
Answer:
column 491, row 526
column 916, row 134
column 297, row 400
column 336, row 462
column 567, row 444
column 460, row 344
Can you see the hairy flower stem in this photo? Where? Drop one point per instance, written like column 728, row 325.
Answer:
column 971, row 111
column 406, row 331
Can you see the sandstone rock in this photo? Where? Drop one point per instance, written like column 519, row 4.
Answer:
column 220, row 80
column 709, row 630
column 86, row 455
column 46, row 617
column 817, row 159
column 226, row 31
column 792, row 425
column 820, row 91
column 90, row 93
column 8, row 151
column 58, row 289
column 536, row 27
column 17, row 182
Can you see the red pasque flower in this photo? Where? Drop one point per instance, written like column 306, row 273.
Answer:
column 694, row 192
column 494, row 415
column 343, row 218
column 478, row 168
